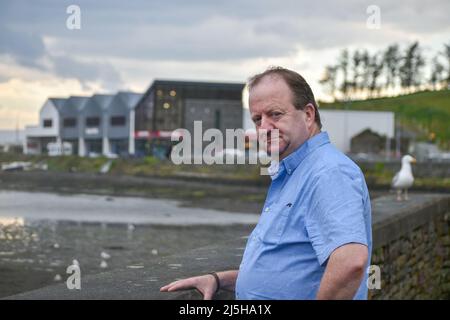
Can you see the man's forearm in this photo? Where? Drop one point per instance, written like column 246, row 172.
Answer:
column 341, row 286
column 344, row 272
column 228, row 279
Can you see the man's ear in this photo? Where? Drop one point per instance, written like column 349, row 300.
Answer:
column 310, row 112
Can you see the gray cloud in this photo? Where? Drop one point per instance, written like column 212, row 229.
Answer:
column 210, row 30
column 200, row 30
column 68, row 67
column 25, row 47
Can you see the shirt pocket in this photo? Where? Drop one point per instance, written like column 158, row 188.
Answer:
column 272, row 224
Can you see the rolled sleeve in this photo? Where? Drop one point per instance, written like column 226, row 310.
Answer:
column 336, row 213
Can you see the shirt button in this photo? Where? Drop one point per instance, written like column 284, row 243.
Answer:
column 267, row 209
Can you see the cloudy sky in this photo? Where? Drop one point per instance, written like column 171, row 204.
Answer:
column 124, row 45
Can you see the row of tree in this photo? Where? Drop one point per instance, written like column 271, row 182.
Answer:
column 361, row 74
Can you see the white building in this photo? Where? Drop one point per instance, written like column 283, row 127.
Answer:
column 343, row 125
column 101, row 124
column 37, row 137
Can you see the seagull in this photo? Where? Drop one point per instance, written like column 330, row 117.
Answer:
column 104, row 255
column 404, row 178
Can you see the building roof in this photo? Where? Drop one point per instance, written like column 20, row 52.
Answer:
column 222, row 85
column 130, row 99
column 236, row 88
column 58, row 102
column 76, row 102
column 102, row 100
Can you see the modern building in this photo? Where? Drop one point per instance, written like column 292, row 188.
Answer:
column 71, row 122
column 93, row 119
column 170, row 105
column 128, row 123
column 120, row 124
column 37, row 137
column 101, row 124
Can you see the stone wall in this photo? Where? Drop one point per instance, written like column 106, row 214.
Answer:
column 411, row 247
column 413, row 252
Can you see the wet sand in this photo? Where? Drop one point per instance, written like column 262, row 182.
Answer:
column 42, row 233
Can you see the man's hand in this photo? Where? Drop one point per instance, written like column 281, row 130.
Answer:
column 205, row 284
column 344, row 272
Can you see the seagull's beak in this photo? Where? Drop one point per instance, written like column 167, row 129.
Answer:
column 413, row 160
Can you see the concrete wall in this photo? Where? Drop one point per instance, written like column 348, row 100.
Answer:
column 411, row 247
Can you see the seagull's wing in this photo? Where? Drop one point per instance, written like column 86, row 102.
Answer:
column 395, row 179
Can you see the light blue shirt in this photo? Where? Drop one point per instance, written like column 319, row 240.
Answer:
column 317, row 201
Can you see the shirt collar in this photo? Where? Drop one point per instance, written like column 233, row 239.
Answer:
column 295, row 158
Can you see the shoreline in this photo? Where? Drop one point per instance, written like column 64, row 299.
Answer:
column 189, row 193
column 192, row 192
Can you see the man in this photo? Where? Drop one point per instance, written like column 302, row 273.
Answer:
column 313, row 239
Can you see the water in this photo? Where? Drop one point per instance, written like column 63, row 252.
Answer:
column 41, row 234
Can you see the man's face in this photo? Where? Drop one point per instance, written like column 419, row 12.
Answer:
column 271, row 107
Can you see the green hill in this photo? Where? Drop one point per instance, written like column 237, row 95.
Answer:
column 424, row 112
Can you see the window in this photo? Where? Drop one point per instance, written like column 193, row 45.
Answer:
column 92, row 121
column 47, row 123
column 69, row 122
column 118, row 121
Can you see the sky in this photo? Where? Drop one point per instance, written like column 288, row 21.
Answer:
column 125, row 45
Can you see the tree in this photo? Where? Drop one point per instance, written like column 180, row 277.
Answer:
column 412, row 63
column 365, row 63
column 329, row 80
column 359, row 73
column 437, row 72
column 391, row 59
column 343, row 65
column 375, row 67
column 447, row 56
column 356, row 59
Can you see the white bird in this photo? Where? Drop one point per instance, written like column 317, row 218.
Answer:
column 103, row 264
column 104, row 255
column 404, row 179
